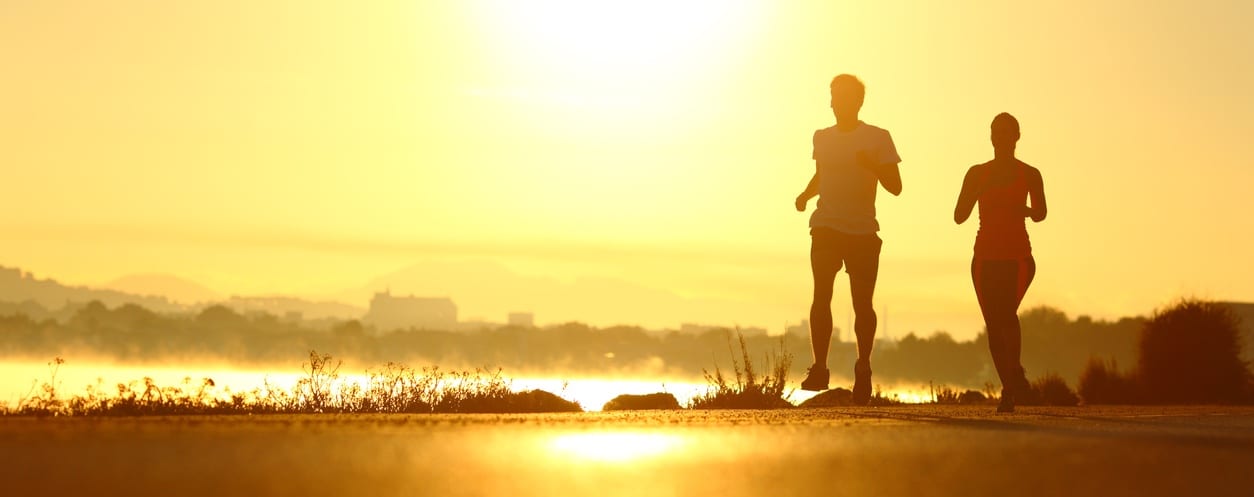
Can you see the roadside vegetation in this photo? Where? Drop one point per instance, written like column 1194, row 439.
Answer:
column 1187, row 353
column 747, row 387
column 394, row 388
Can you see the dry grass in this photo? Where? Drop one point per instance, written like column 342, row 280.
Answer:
column 749, row 390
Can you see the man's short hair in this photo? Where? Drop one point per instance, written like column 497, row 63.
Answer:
column 852, row 82
column 1006, row 123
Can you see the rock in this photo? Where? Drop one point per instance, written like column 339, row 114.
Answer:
column 836, row 397
column 637, row 402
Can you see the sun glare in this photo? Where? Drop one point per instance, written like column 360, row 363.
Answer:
column 614, row 447
column 614, row 50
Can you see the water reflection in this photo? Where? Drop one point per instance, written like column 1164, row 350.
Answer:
column 21, row 378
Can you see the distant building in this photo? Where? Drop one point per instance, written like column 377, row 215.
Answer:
column 388, row 312
column 698, row 329
column 694, row 329
column 522, row 319
column 802, row 329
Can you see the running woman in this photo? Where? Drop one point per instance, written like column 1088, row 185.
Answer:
column 1003, row 266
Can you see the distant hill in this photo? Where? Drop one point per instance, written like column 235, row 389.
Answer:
column 172, row 287
column 23, row 293
column 19, row 286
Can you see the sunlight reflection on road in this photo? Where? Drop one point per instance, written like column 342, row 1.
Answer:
column 615, row 446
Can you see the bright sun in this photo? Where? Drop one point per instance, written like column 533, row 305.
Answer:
column 604, row 48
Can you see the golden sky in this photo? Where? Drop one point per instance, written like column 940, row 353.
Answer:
column 655, row 147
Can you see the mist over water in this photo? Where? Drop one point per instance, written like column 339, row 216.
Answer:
column 24, row 378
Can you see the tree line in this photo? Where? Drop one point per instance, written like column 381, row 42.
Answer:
column 1053, row 342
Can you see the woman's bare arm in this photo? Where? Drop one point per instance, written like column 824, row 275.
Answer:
column 967, row 197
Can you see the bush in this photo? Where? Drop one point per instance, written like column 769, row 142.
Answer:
column 1102, row 383
column 944, row 395
column 1191, row 353
column 1052, row 390
column 971, row 397
column 749, row 390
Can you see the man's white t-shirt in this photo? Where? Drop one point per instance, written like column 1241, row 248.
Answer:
column 847, row 189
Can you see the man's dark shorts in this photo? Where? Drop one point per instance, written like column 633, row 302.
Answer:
column 860, row 254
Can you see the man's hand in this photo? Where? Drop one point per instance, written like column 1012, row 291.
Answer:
column 801, row 202
column 885, row 173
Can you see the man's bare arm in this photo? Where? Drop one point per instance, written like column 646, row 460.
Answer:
column 887, row 174
column 811, row 190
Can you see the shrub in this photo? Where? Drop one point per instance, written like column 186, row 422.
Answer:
column 1102, row 383
column 970, row 397
column 1191, row 352
column 1052, row 390
column 944, row 395
column 749, row 391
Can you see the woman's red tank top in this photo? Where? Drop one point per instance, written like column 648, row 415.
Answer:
column 1003, row 230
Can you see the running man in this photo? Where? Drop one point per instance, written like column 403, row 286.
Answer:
column 851, row 160
column 1003, row 266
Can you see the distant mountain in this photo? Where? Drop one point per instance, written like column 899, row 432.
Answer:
column 164, row 285
column 20, row 286
column 21, row 292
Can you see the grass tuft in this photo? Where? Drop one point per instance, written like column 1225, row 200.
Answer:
column 748, row 390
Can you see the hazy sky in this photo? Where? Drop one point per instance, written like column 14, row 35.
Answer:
column 309, row 147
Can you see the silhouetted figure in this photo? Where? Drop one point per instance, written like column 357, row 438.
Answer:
column 851, row 159
column 1003, row 266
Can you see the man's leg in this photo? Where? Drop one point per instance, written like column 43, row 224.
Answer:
column 863, row 273
column 862, row 290
column 824, row 264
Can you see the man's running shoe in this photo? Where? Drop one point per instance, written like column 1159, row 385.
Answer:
column 861, row 383
column 816, row 379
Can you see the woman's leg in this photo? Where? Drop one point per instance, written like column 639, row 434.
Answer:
column 996, row 283
column 1025, row 271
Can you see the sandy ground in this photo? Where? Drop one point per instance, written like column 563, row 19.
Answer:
column 908, row 451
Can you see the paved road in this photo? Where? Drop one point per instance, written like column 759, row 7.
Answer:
column 907, row 451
